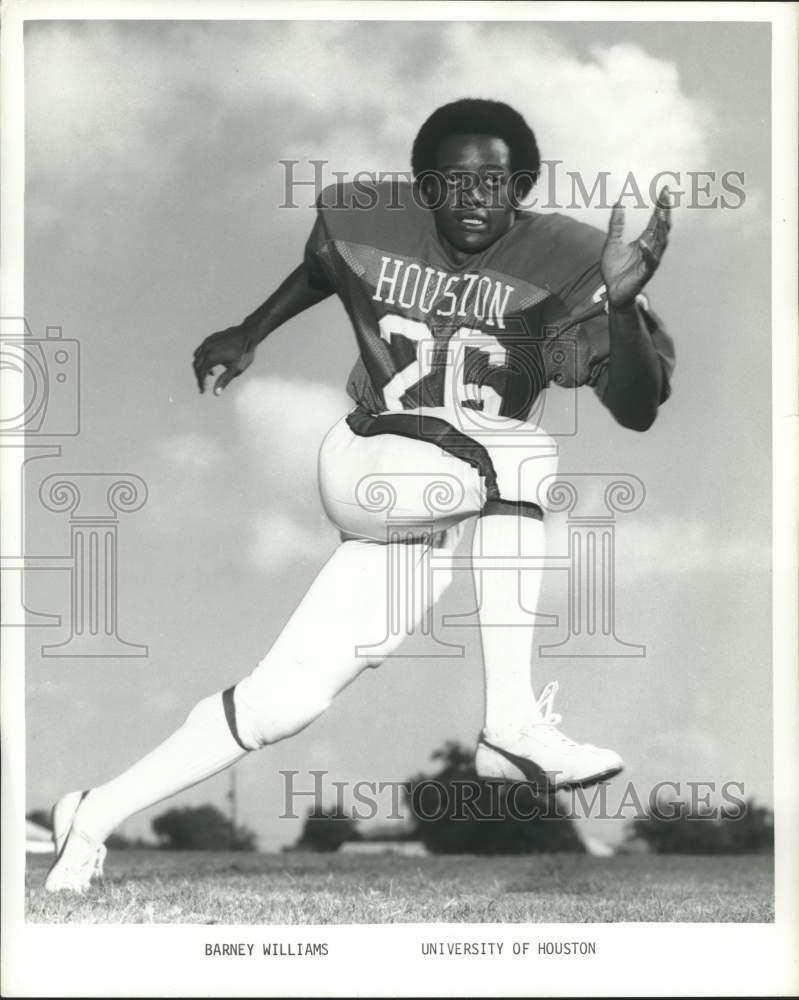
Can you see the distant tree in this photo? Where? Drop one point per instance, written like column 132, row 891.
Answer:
column 41, row 817
column 458, row 813
column 201, row 828
column 119, row 842
column 326, row 830
column 749, row 831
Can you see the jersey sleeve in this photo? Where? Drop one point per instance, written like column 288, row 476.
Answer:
column 351, row 222
column 575, row 253
column 577, row 249
column 315, row 256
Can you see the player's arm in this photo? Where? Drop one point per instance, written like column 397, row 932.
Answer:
column 234, row 348
column 635, row 376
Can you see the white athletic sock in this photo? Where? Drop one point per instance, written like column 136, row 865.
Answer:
column 505, row 628
column 348, row 606
column 203, row 746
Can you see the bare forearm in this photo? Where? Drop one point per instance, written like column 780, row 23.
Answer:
column 635, row 375
column 294, row 295
column 234, row 348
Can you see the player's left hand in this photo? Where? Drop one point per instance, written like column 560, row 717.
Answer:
column 627, row 267
column 231, row 349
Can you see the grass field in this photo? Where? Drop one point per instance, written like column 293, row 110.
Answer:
column 241, row 888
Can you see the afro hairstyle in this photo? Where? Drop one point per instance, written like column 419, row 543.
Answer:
column 475, row 116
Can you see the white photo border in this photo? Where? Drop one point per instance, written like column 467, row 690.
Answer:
column 642, row 959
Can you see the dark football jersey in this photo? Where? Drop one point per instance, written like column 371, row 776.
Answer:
column 490, row 333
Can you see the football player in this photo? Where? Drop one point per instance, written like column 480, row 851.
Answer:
column 465, row 308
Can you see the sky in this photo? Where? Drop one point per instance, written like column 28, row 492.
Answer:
column 153, row 217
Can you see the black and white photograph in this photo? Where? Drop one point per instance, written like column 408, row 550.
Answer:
column 399, row 499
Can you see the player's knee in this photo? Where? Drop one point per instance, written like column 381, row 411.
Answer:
column 262, row 722
column 269, row 728
column 265, row 715
column 284, row 694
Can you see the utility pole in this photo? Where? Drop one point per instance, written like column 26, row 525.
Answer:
column 231, row 795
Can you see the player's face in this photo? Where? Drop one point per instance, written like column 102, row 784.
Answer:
column 475, row 207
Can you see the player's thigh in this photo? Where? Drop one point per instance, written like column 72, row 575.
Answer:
column 381, row 486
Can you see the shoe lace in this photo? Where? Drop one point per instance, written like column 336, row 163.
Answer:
column 549, row 716
column 545, row 703
column 93, row 858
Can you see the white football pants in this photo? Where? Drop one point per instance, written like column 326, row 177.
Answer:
column 399, row 502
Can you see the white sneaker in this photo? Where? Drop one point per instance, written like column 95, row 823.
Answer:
column 541, row 754
column 78, row 858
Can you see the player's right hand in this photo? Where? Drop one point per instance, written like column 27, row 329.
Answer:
column 230, row 348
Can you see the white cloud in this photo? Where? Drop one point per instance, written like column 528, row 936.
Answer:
column 280, row 542
column 283, row 421
column 191, row 452
column 619, row 110
column 183, row 482
column 107, row 102
column 288, row 526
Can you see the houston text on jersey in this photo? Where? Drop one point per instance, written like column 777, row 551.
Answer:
column 409, row 286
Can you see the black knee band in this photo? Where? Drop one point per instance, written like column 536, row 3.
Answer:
column 518, row 508
column 229, row 706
